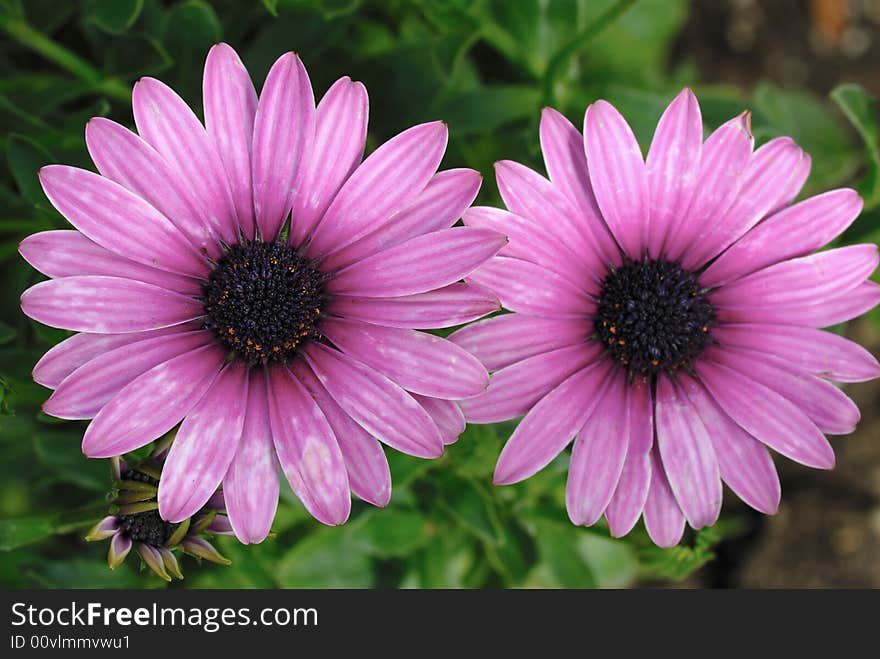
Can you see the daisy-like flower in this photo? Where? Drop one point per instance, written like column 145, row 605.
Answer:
column 666, row 316
column 272, row 340
column 135, row 521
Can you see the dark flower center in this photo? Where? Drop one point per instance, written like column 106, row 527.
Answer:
column 263, row 300
column 653, row 316
column 147, row 527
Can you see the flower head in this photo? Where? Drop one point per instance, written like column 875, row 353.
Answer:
column 666, row 315
column 254, row 280
column 135, row 521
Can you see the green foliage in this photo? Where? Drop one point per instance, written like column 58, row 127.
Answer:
column 487, row 67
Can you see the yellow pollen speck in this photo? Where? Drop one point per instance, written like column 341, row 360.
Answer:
column 655, row 362
column 612, row 329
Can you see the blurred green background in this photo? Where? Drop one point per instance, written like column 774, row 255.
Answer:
column 487, row 68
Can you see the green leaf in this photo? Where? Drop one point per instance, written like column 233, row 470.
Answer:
column 7, row 333
column 392, row 533
column 190, row 29
column 325, row 558
column 861, row 110
column 60, row 453
column 489, row 108
column 24, row 531
column 115, row 16
column 271, row 6
column 560, row 555
column 25, row 158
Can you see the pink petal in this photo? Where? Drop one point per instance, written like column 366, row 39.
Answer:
column 437, row 207
column 230, row 106
column 107, row 305
column 420, row 264
column 503, row 340
column 799, row 175
column 744, row 463
column 767, row 416
column 688, row 456
column 516, row 388
column 663, row 518
column 551, row 424
column 308, row 450
column 379, row 405
column 388, row 179
column 598, row 455
column 165, row 121
column 618, row 176
column 251, row 486
column 629, row 498
column 368, row 472
column 67, row 253
column 795, row 231
column 120, row 545
column 119, row 220
column 204, row 446
column 417, row 361
column 448, row 306
column 723, row 162
column 340, row 136
column 822, row 353
column 153, row 404
column 673, row 165
column 84, row 392
column 562, row 146
column 532, row 289
column 446, row 414
column 284, row 133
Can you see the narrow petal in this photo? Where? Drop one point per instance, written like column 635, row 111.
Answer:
column 799, row 176
column 307, row 450
column 417, row 361
column 516, row 388
column 107, row 305
column 230, row 103
column 120, row 546
column 153, row 559
column 85, row 391
column 368, row 472
column 165, row 121
column 663, row 518
column 106, row 528
column 795, row 231
column 551, row 424
column 153, row 404
column 380, row 406
column 284, row 133
column 744, row 463
column 251, row 485
column 119, row 220
column 420, row 264
column 340, row 137
column 598, row 455
column 532, row 289
column 767, row 416
column 388, row 179
column 448, row 306
column 673, row 165
column 688, row 456
column 723, row 162
column 201, row 548
column 629, row 498
column 562, row 146
column 824, row 354
column 619, row 178
column 437, row 207
column 504, row 340
column 446, row 414
column 204, row 446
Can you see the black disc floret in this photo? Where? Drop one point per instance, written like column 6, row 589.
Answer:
column 653, row 316
column 147, row 527
column 263, row 300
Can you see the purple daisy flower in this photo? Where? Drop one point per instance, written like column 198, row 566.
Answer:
column 666, row 316
column 273, row 342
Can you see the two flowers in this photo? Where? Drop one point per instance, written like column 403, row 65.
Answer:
column 253, row 281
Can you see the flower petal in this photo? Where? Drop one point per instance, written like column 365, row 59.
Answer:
column 380, row 406
column 106, row 528
column 562, row 146
column 799, row 175
column 383, row 184
column 551, row 424
column 230, row 102
column 446, row 414
column 153, row 404
column 420, row 264
column 663, row 518
column 417, row 361
column 251, row 486
column 120, row 545
column 204, row 446
column 107, row 305
column 308, row 450
column 284, row 134
column 119, row 220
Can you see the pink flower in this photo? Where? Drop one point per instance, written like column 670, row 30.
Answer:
column 297, row 344
column 666, row 316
